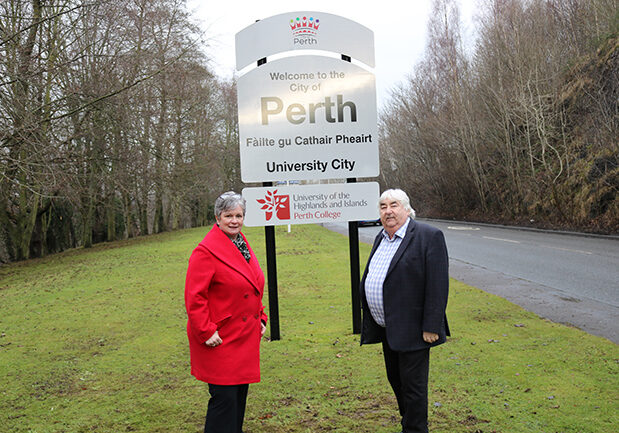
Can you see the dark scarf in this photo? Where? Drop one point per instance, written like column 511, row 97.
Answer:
column 242, row 246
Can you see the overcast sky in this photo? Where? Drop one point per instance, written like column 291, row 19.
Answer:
column 399, row 27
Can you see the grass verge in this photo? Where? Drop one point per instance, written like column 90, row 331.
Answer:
column 94, row 341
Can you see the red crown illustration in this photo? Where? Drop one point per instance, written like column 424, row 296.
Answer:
column 304, row 26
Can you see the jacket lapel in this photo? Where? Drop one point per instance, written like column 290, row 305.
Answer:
column 377, row 241
column 254, row 267
column 408, row 238
column 222, row 247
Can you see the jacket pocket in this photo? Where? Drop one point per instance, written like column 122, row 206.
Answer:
column 221, row 319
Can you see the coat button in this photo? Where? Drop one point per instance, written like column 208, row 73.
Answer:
column 244, row 318
column 256, row 316
column 246, row 296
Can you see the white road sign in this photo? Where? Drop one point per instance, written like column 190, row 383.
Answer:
column 307, row 117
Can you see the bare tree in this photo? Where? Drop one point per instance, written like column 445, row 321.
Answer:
column 111, row 123
column 498, row 135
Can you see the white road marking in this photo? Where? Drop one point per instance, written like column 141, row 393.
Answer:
column 503, row 240
column 462, row 228
column 568, row 249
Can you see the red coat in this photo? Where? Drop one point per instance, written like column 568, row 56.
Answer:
column 223, row 292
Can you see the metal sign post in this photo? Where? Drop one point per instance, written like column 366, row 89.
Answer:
column 355, row 271
column 269, row 239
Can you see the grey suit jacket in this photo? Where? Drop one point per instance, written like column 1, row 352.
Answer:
column 415, row 291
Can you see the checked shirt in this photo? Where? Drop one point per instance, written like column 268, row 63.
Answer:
column 377, row 271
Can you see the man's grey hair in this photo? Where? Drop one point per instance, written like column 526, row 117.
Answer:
column 229, row 200
column 400, row 196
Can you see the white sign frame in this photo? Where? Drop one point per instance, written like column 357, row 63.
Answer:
column 304, row 30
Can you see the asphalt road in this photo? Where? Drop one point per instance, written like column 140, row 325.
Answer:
column 567, row 278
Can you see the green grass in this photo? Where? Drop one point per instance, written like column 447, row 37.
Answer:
column 94, row 341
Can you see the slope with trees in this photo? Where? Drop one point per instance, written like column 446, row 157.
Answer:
column 523, row 127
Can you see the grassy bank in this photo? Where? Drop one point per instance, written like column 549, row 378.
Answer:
column 94, row 341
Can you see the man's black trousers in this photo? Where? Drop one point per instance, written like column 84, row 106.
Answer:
column 407, row 373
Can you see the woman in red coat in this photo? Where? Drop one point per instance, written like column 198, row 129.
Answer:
column 223, row 297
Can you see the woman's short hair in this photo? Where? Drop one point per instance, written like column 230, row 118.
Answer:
column 229, row 200
column 400, row 196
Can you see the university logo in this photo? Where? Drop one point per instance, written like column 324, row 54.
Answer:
column 275, row 204
column 304, row 30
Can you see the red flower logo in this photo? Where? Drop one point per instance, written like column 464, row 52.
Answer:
column 278, row 204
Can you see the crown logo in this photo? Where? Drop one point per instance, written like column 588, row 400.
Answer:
column 304, row 26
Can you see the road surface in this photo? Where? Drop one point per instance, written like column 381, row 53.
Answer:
column 567, row 278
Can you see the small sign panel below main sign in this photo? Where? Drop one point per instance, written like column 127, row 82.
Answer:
column 311, row 204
